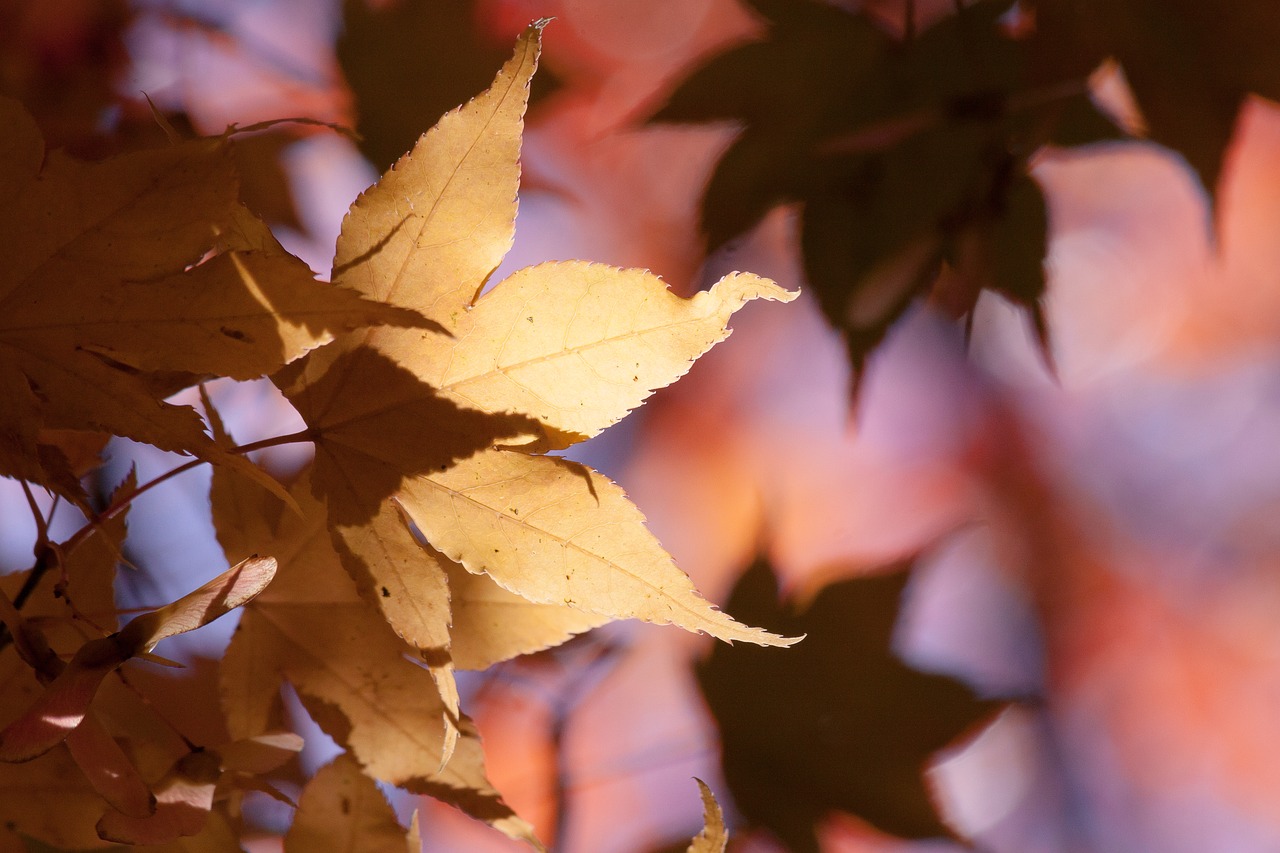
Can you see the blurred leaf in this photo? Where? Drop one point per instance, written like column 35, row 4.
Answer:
column 1189, row 63
column 409, row 62
column 896, row 150
column 838, row 722
column 714, row 837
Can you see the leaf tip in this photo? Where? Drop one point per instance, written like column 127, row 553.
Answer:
column 743, row 287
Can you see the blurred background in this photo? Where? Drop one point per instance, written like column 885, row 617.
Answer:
column 1038, row 571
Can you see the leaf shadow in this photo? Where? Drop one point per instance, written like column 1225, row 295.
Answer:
column 375, row 423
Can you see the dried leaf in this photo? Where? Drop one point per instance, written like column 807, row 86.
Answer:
column 556, row 532
column 714, row 838
column 551, row 355
column 126, row 273
column 352, row 672
column 183, row 800
column 65, row 701
column 440, row 221
column 341, row 810
column 577, row 346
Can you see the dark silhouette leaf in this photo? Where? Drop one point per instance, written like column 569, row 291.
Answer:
column 838, row 722
column 1190, row 64
column 903, row 154
column 408, row 63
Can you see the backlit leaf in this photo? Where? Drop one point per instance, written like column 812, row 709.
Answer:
column 556, row 532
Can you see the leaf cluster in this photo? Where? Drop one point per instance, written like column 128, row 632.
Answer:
column 432, row 532
column 909, row 154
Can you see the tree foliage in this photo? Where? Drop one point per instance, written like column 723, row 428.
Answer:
column 909, row 153
column 430, row 532
column 438, row 526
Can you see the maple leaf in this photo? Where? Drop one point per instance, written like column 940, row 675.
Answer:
column 314, row 630
column 403, row 419
column 186, row 793
column 1190, row 65
column 911, row 160
column 555, row 353
column 61, row 605
column 341, row 809
column 139, row 264
column 714, row 837
column 64, row 703
column 841, row 718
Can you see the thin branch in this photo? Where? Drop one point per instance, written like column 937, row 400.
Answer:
column 42, row 524
column 48, row 554
column 894, row 130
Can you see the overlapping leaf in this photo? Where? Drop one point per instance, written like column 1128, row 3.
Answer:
column 313, row 629
column 138, row 264
column 341, row 810
column 1189, row 64
column 64, row 703
column 556, row 353
column 909, row 157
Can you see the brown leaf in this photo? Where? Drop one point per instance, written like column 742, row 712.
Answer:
column 183, row 800
column 353, row 673
column 714, row 837
column 65, row 701
column 341, row 810
column 135, row 267
column 441, row 220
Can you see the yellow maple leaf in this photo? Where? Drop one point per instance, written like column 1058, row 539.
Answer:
column 554, row 354
column 139, row 264
column 340, row 810
column 313, row 629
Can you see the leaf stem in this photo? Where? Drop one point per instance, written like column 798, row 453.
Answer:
column 121, row 502
column 888, row 132
column 46, row 555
